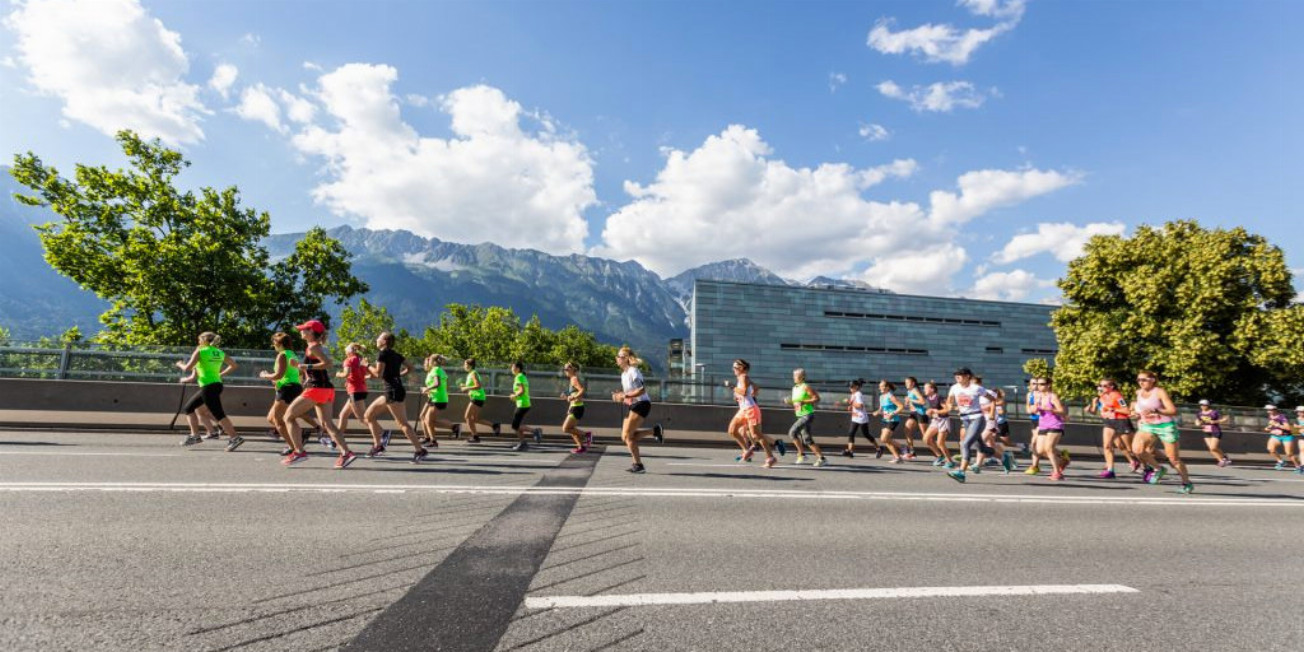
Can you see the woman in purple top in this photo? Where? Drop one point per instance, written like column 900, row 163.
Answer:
column 1210, row 421
column 1280, row 435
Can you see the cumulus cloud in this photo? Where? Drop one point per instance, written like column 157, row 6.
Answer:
column 493, row 180
column 223, row 77
column 111, row 63
column 1014, row 285
column 297, row 109
column 936, row 43
column 1063, row 240
column 874, row 132
column 940, row 97
column 984, row 190
column 918, row 271
column 258, row 105
column 836, row 80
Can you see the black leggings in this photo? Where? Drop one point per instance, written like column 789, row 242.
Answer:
column 862, row 428
column 209, row 396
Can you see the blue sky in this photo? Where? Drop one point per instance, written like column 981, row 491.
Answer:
column 676, row 133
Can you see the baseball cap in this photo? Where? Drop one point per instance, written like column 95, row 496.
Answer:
column 1269, row 407
column 312, row 325
column 1299, row 408
column 1204, row 401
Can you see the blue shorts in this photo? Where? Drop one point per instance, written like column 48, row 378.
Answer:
column 1285, row 439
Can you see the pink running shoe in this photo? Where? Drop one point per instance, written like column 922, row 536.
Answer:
column 770, row 462
column 1057, row 476
column 294, row 458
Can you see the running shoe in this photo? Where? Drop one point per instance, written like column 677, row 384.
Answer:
column 286, row 451
column 343, row 461
column 783, row 448
column 1007, row 461
column 801, row 459
column 234, row 443
column 771, row 461
column 1281, row 464
column 635, row 468
column 1149, row 473
column 212, row 435
column 588, row 438
column 820, row 461
column 975, row 469
column 1224, row 462
column 577, row 450
column 1057, row 476
column 294, row 458
column 325, row 441
column 192, row 440
column 949, row 465
column 376, row 451
column 432, row 444
column 538, row 435
column 1107, row 474
column 938, row 462
column 659, row 433
column 1064, row 455
column 1032, row 470
column 909, row 456
column 1158, row 475
column 497, row 428
column 896, row 460
column 1135, row 465
column 384, row 438
column 878, row 452
column 958, row 476
column 475, row 439
column 273, row 434
column 847, row 453
column 1188, row 488
column 746, row 456
column 521, row 446
column 457, row 431
column 421, row 455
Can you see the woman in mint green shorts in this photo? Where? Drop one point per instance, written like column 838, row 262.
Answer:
column 1157, row 416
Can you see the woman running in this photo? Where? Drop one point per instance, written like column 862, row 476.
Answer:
column 521, row 396
column 634, row 395
column 997, row 436
column 749, row 410
column 1298, row 429
column 390, row 367
column 285, row 377
column 1281, row 436
column 1050, row 428
column 939, row 426
column 355, row 374
column 889, row 412
column 476, row 395
column 916, row 415
column 1034, row 387
column 574, row 396
column 803, row 402
column 859, row 419
column 1117, row 429
column 1211, row 422
column 436, row 391
column 1157, row 414
column 964, row 399
column 318, row 395
column 210, row 364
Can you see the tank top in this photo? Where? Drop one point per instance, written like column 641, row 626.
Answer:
column 472, row 379
column 887, row 402
column 317, row 378
column 355, row 379
column 801, row 393
column 1151, row 405
column 291, row 374
column 440, row 393
column 630, row 380
column 208, row 368
column 859, row 414
column 571, row 391
column 1209, row 421
column 917, row 401
column 746, row 399
column 522, row 384
column 1046, row 418
column 1279, row 425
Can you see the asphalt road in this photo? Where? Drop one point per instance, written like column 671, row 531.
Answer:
column 129, row 542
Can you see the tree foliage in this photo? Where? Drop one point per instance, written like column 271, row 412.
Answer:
column 496, row 335
column 172, row 263
column 1209, row 310
column 363, row 324
column 1037, row 368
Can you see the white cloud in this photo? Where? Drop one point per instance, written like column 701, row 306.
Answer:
column 223, row 77
column 946, row 43
column 251, row 39
column 493, row 180
column 417, row 100
column 984, row 190
column 257, row 104
column 1014, row 285
column 917, row 271
column 111, row 63
column 836, row 80
column 297, row 109
column 874, row 132
column 309, row 65
column 940, row 97
column 1063, row 240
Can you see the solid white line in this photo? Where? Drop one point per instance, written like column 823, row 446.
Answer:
column 651, row 599
column 89, row 454
column 1090, row 500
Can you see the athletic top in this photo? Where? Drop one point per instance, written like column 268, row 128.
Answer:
column 1000, row 414
column 1278, row 425
column 1151, row 405
column 355, row 382
column 801, row 392
column 966, row 398
column 630, row 380
column 317, row 378
column 917, row 401
column 571, row 391
column 1046, row 419
column 935, row 402
column 473, row 378
column 858, row 414
column 208, row 368
column 291, row 375
column 1032, row 405
column 522, row 384
column 748, row 398
column 1113, row 405
column 440, row 393
column 888, row 404
column 391, row 375
column 1208, row 421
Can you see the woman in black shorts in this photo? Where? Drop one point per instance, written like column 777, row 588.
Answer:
column 575, row 411
column 390, row 367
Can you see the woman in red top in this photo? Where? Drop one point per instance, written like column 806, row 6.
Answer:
column 354, row 374
column 1117, row 431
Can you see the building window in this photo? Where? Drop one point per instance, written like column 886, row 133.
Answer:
column 995, row 349
column 1040, row 351
column 910, row 318
column 838, row 348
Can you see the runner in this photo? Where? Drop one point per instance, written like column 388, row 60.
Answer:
column 634, row 395
column 285, row 377
column 1117, row 426
column 963, row 399
column 859, row 419
column 1281, row 437
column 521, row 395
column 355, row 376
column 1156, row 412
column 916, row 414
column 574, row 395
column 748, row 416
column 889, row 409
column 476, row 395
column 436, row 390
column 803, row 402
column 210, row 364
column 318, row 395
column 1298, row 429
column 939, row 426
column 997, row 435
column 1050, row 428
column 1034, row 384
column 390, row 367
column 1211, row 422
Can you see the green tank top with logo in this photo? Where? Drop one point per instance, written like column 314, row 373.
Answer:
column 440, row 393
column 291, row 375
column 473, row 378
column 522, row 384
column 208, row 370
column 801, row 393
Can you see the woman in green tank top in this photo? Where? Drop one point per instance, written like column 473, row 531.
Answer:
column 209, row 364
column 436, row 389
column 285, row 377
column 476, row 396
column 575, row 411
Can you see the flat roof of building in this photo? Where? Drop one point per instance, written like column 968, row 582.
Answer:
column 865, row 292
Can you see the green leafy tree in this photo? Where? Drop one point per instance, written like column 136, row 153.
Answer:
column 4, row 335
column 581, row 347
column 171, row 263
column 364, row 323
column 1037, row 368
column 534, row 344
column 495, row 335
column 1209, row 310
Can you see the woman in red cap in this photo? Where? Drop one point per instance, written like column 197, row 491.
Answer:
column 318, row 394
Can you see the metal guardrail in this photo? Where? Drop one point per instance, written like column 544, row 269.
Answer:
column 88, row 361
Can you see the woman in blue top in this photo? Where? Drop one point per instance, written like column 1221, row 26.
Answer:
column 889, row 409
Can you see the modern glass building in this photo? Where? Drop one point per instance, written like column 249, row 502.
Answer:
column 838, row 334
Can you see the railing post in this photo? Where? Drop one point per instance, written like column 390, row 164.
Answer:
column 662, row 397
column 64, row 359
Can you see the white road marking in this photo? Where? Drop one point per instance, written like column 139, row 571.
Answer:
column 75, row 453
column 716, row 597
column 976, row 497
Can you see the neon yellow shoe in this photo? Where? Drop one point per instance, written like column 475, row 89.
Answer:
column 1033, row 470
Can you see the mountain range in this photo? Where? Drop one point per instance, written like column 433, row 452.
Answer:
column 414, row 277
